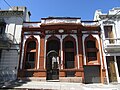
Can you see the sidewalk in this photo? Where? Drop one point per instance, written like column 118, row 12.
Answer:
column 59, row 86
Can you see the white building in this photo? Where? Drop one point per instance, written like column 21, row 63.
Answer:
column 110, row 34
column 10, row 37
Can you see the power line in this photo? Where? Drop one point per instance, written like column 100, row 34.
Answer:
column 111, row 16
column 11, row 8
column 7, row 3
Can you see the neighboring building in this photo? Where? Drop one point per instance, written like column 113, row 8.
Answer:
column 11, row 22
column 62, row 48
column 110, row 34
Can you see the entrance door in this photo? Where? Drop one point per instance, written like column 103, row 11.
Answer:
column 111, row 69
column 92, row 74
column 52, row 65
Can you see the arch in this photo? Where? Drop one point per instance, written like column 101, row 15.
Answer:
column 52, row 51
column 69, row 55
column 53, row 43
column 91, row 49
column 30, row 53
column 52, row 60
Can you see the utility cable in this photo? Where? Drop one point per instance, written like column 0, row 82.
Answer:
column 11, row 8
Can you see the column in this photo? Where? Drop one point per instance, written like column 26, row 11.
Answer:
column 61, row 52
column 77, row 52
column 80, row 50
column 45, row 53
column 41, row 59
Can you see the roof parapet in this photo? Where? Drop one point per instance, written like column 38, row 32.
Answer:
column 59, row 20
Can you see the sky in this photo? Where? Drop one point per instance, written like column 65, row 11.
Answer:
column 84, row 9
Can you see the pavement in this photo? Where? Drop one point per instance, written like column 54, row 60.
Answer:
column 39, row 85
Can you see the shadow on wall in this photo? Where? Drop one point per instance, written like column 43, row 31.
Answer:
column 8, row 79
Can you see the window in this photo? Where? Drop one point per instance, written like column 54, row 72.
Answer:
column 91, row 44
column 30, row 55
column 109, row 33
column 31, row 45
column 69, row 44
column 92, row 56
column 2, row 27
column 91, row 50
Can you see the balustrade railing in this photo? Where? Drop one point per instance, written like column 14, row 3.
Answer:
column 112, row 42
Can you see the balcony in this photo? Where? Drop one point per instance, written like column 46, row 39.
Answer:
column 112, row 45
column 6, row 40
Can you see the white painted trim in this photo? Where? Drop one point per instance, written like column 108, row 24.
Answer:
column 105, row 61
column 38, row 38
column 84, row 55
column 97, row 37
column 76, row 49
column 61, row 52
column 116, row 67
column 23, row 46
column 46, row 37
column 63, row 36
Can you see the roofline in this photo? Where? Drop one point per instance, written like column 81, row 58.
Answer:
column 61, row 18
column 87, row 21
column 32, row 22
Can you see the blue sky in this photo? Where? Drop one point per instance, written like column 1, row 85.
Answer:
column 75, row 8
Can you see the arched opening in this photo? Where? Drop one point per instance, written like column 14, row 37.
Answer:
column 53, row 45
column 52, row 65
column 30, row 55
column 69, row 55
column 91, row 49
column 91, row 70
column 52, row 60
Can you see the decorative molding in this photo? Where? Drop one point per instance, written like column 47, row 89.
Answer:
column 55, row 21
column 60, row 30
column 108, row 22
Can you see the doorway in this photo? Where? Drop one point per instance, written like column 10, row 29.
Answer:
column 52, row 65
column 111, row 69
column 92, row 74
column 52, row 58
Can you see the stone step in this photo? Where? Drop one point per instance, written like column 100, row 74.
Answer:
column 61, row 79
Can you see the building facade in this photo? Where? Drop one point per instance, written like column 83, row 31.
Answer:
column 110, row 28
column 11, row 22
column 62, row 48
